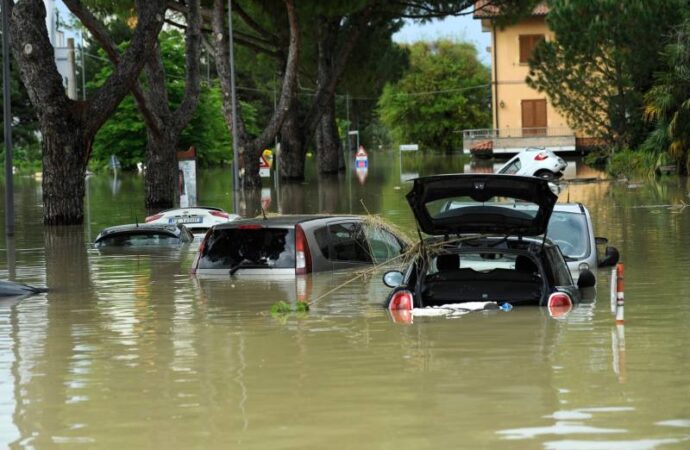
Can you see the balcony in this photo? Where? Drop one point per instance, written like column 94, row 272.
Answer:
column 513, row 140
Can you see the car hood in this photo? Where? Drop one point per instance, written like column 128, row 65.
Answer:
column 482, row 203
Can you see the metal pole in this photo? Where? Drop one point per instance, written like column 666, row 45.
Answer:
column 233, row 107
column 83, row 65
column 347, row 119
column 7, row 119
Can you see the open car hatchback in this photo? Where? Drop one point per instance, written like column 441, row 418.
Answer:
column 484, row 244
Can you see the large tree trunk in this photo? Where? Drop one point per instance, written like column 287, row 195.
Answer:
column 292, row 146
column 64, row 165
column 161, row 179
column 68, row 127
column 329, row 151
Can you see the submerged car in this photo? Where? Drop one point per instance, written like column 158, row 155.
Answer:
column 488, row 247
column 295, row 245
column 537, row 162
column 197, row 219
column 144, row 235
column 570, row 227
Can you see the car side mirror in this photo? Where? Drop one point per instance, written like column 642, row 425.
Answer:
column 393, row 278
column 611, row 257
column 586, row 279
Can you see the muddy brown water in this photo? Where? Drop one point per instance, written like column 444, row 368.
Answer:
column 128, row 350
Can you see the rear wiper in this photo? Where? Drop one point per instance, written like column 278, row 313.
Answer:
column 247, row 264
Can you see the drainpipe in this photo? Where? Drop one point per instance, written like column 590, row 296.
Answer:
column 493, row 50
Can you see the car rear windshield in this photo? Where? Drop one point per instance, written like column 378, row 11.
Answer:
column 460, row 206
column 234, row 248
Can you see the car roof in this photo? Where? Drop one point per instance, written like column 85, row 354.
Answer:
column 281, row 220
column 207, row 208
column 134, row 228
column 578, row 208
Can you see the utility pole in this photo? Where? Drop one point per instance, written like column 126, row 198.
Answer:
column 7, row 121
column 233, row 108
column 71, row 72
column 83, row 66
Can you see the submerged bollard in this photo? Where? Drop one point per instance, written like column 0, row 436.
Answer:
column 620, row 298
column 614, row 289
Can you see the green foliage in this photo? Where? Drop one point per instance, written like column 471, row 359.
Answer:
column 600, row 64
column 632, row 164
column 444, row 90
column 668, row 101
column 124, row 134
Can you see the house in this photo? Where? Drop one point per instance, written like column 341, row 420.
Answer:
column 522, row 117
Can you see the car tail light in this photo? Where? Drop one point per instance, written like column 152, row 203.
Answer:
column 221, row 214
column 559, row 304
column 153, row 217
column 302, row 255
column 401, row 300
column 541, row 156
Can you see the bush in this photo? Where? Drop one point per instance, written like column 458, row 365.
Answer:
column 629, row 163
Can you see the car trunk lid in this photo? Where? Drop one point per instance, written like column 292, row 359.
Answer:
column 482, row 204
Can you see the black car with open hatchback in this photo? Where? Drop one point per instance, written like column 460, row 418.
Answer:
column 490, row 247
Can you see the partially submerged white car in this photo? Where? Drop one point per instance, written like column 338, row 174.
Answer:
column 535, row 162
column 197, row 219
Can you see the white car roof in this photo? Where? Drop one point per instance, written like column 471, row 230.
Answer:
column 569, row 207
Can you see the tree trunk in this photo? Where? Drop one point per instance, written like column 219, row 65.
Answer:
column 249, row 162
column 292, row 146
column 161, row 179
column 64, row 165
column 67, row 126
column 328, row 141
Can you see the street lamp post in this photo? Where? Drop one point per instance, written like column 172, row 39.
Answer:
column 7, row 119
column 233, row 109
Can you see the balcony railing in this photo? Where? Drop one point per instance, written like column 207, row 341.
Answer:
column 490, row 133
column 513, row 140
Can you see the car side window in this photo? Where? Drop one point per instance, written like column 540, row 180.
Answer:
column 383, row 244
column 348, row 243
column 321, row 235
column 512, row 168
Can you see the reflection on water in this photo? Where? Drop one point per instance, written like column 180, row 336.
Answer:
column 128, row 350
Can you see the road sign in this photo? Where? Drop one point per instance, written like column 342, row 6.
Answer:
column 361, row 159
column 264, row 167
column 409, row 147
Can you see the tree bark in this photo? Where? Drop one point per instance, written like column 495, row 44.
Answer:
column 329, row 150
column 67, row 126
column 292, row 146
column 161, row 178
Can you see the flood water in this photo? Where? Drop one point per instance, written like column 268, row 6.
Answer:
column 127, row 350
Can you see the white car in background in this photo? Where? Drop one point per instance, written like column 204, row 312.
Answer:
column 535, row 162
column 197, row 219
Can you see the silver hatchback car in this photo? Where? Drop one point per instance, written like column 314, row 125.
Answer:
column 570, row 227
column 295, row 245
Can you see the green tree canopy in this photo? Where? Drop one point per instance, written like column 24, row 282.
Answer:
column 668, row 101
column 602, row 61
column 445, row 89
column 125, row 132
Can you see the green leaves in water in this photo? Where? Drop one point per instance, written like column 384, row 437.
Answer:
column 283, row 309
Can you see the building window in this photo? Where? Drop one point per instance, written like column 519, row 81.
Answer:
column 527, row 44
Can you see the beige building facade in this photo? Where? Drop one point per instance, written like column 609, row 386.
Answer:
column 522, row 117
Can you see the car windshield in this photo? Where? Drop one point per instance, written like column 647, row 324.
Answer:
column 233, row 248
column 569, row 231
column 480, row 262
